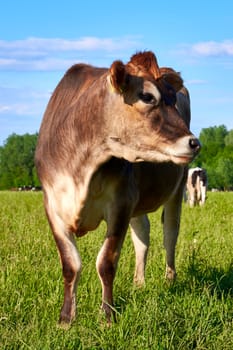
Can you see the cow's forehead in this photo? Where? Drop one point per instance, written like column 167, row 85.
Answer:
column 139, row 71
column 144, row 63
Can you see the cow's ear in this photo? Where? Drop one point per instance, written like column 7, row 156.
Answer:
column 171, row 77
column 117, row 76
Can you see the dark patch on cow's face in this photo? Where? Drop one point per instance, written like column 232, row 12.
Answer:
column 168, row 93
column 133, row 87
column 134, row 91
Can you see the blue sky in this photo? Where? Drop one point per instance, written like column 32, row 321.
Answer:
column 40, row 40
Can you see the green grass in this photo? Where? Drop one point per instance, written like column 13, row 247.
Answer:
column 196, row 312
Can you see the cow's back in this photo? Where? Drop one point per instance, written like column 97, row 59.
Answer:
column 59, row 137
column 69, row 90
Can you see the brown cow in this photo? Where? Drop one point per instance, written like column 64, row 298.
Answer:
column 100, row 143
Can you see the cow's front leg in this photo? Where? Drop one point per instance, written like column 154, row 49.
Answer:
column 71, row 268
column 192, row 197
column 106, row 263
column 171, row 225
column 71, row 265
column 140, row 234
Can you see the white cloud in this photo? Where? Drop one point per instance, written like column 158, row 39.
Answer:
column 22, row 101
column 56, row 53
column 43, row 45
column 4, row 108
column 208, row 49
column 213, row 48
column 195, row 82
column 21, row 108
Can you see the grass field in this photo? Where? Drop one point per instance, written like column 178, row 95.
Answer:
column 196, row 312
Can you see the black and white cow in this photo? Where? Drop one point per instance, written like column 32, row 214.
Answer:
column 196, row 186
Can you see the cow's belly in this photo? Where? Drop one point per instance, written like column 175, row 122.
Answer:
column 145, row 188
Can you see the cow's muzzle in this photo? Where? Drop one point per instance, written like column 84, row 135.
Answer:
column 195, row 145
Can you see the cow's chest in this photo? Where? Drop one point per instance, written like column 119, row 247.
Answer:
column 157, row 184
column 144, row 187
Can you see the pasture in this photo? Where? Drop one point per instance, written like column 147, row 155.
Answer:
column 196, row 312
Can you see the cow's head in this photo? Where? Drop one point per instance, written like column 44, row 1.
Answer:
column 145, row 123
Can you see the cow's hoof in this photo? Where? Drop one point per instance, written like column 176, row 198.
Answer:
column 170, row 275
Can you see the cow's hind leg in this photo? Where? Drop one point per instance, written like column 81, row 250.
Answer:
column 71, row 266
column 140, row 234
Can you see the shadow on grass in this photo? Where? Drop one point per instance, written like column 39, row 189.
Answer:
column 199, row 275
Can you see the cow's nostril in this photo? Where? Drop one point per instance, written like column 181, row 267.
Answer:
column 194, row 144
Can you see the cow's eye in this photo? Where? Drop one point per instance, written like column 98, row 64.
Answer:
column 146, row 97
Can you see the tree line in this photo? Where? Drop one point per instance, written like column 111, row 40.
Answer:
column 17, row 168
column 216, row 156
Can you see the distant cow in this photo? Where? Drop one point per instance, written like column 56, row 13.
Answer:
column 113, row 146
column 196, row 186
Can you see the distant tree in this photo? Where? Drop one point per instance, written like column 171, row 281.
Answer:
column 212, row 140
column 214, row 181
column 224, row 167
column 229, row 139
column 17, row 161
column 214, row 135
column 216, row 156
column 36, row 181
